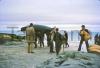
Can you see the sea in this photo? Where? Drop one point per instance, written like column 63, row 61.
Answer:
column 72, row 30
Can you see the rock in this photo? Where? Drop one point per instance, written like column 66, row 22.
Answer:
column 73, row 60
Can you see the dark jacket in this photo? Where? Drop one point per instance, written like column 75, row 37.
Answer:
column 57, row 37
column 66, row 36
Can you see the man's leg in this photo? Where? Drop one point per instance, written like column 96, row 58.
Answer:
column 95, row 41
column 81, row 42
column 51, row 47
column 40, row 42
column 43, row 43
column 56, row 46
column 87, row 45
column 31, row 47
column 67, row 45
column 35, row 43
column 59, row 48
column 99, row 42
column 57, row 52
column 48, row 43
column 28, row 47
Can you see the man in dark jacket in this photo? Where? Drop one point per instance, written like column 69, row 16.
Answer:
column 41, row 39
column 99, row 40
column 58, row 41
column 96, row 39
column 66, row 39
column 84, row 37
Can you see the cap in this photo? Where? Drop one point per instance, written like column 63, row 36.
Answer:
column 83, row 26
column 31, row 24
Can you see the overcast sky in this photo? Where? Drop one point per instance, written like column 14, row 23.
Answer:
column 50, row 11
column 69, row 11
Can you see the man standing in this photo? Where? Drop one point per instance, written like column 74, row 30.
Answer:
column 51, row 35
column 58, row 41
column 66, row 39
column 85, row 36
column 41, row 38
column 30, row 37
column 99, row 40
column 96, row 39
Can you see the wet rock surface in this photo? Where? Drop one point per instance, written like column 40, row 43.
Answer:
column 70, row 59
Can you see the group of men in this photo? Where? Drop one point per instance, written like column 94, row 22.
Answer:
column 58, row 39
column 54, row 37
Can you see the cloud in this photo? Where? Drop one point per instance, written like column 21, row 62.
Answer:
column 58, row 11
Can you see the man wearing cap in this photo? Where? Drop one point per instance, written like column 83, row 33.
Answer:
column 85, row 36
column 30, row 37
column 58, row 41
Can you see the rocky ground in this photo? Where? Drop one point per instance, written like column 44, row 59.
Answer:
column 15, row 56
column 72, row 59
